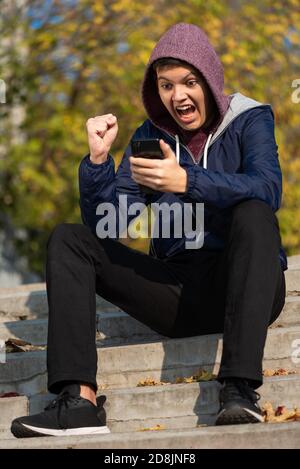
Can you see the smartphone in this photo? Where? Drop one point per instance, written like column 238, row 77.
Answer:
column 147, row 148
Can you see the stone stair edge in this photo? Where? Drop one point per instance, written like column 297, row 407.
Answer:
column 159, row 387
column 154, row 436
column 293, row 264
column 236, row 436
column 288, row 318
column 38, row 321
column 26, row 287
column 191, row 410
column 274, row 331
column 127, row 331
column 111, row 313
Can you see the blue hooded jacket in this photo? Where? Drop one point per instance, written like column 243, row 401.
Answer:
column 239, row 161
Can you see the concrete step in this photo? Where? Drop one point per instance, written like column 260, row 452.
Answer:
column 10, row 408
column 30, row 301
column 292, row 278
column 125, row 366
column 292, row 275
column 113, row 328
column 262, row 435
column 176, row 405
column 294, row 262
column 116, row 327
column 290, row 315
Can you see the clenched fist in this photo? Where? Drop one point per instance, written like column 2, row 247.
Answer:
column 102, row 131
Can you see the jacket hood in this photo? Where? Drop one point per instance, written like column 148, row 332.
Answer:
column 190, row 44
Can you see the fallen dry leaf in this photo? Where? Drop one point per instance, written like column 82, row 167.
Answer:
column 281, row 414
column 280, row 410
column 180, row 380
column 268, row 411
column 157, row 427
column 278, row 372
column 201, row 375
column 18, row 345
column 10, row 394
column 293, row 293
column 151, row 382
column 103, row 386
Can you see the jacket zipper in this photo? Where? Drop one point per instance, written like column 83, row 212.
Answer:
column 189, row 153
column 173, row 138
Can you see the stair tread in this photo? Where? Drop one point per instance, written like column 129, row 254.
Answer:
column 260, row 435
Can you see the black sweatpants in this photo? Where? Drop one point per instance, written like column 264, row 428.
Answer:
column 239, row 292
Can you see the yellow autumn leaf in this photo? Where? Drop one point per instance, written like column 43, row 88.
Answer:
column 157, row 427
column 281, row 414
column 151, row 382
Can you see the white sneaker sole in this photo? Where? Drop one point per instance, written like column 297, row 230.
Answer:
column 259, row 417
column 69, row 431
column 238, row 416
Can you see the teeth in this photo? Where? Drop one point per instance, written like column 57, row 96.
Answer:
column 183, row 108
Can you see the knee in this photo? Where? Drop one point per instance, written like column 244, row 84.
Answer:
column 64, row 234
column 254, row 216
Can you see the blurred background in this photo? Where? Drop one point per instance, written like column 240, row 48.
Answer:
column 65, row 61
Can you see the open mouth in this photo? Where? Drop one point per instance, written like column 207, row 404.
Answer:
column 185, row 111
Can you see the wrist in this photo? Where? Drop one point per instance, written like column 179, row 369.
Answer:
column 183, row 181
column 98, row 159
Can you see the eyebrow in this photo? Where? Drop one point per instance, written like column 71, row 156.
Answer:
column 165, row 78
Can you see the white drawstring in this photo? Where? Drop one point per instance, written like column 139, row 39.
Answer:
column 205, row 151
column 177, row 148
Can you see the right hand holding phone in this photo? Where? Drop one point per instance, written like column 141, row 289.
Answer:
column 163, row 175
column 102, row 132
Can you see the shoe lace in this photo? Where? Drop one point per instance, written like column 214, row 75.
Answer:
column 239, row 389
column 60, row 402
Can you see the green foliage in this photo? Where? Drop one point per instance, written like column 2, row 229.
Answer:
column 88, row 59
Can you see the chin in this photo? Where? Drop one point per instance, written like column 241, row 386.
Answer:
column 193, row 126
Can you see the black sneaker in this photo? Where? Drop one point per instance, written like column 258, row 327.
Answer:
column 238, row 403
column 68, row 414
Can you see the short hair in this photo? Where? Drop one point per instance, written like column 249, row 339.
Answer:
column 165, row 61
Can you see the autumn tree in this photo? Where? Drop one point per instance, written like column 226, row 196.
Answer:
column 84, row 58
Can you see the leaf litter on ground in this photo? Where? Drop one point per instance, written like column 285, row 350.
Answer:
column 280, row 414
column 279, row 372
column 9, row 394
column 156, row 428
column 18, row 345
column 200, row 375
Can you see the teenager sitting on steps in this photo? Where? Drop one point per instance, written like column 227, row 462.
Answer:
column 218, row 150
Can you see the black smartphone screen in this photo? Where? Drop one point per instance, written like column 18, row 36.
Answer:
column 147, row 148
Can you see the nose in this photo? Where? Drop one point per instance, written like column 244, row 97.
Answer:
column 178, row 93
